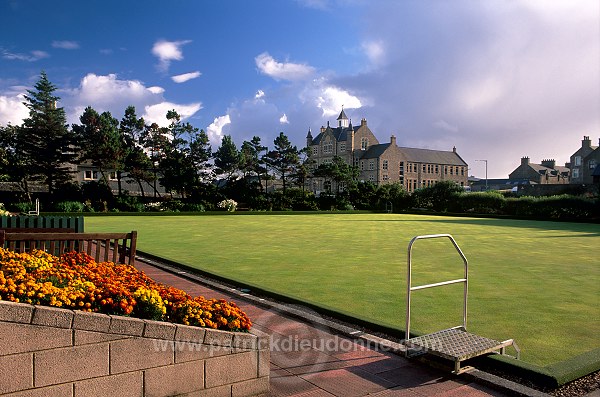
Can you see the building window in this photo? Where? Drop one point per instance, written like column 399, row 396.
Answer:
column 371, row 165
column 385, row 164
column 401, row 180
column 112, row 176
column 577, row 160
column 362, row 165
column 364, row 142
column 315, row 150
column 462, row 171
column 401, row 168
column 437, row 168
column 424, row 168
column 371, row 178
column 592, row 164
column 90, row 175
column 343, row 147
column 386, row 177
column 575, row 173
column 445, row 170
column 328, row 147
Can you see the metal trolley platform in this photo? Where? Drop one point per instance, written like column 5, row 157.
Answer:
column 455, row 344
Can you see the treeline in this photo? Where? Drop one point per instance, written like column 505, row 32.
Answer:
column 43, row 149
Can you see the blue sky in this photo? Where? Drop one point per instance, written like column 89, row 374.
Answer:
column 498, row 79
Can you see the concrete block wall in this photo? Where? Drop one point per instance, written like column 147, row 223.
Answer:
column 47, row 351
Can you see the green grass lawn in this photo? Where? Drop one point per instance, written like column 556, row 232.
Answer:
column 536, row 282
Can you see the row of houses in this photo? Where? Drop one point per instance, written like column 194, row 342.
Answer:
column 583, row 170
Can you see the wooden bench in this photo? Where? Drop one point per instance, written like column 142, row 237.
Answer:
column 116, row 247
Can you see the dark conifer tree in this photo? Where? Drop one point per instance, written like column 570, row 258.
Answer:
column 49, row 147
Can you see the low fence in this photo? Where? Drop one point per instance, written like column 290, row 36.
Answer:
column 75, row 223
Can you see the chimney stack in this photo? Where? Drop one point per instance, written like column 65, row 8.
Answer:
column 586, row 142
column 393, row 140
column 550, row 163
column 525, row 160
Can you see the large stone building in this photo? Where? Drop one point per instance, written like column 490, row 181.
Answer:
column 381, row 163
column 546, row 173
column 584, row 161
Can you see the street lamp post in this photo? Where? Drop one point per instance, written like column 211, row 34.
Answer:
column 486, row 178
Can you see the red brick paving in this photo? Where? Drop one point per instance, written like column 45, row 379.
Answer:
column 308, row 361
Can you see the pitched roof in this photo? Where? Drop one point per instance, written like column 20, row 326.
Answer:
column 375, row 151
column 342, row 116
column 542, row 169
column 340, row 134
column 432, row 156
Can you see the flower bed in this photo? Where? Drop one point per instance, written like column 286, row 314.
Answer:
column 75, row 281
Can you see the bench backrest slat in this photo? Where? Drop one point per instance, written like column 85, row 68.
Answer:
column 100, row 243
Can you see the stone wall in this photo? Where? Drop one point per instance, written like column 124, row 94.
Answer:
column 47, row 351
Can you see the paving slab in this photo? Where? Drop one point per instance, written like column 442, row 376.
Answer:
column 311, row 360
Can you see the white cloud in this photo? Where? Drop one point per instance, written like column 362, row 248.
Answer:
column 156, row 90
column 182, row 78
column 104, row 90
column 109, row 93
column 168, row 51
column 33, row 56
column 215, row 130
column 282, row 71
column 331, row 99
column 283, row 119
column 259, row 94
column 375, row 51
column 157, row 113
column 12, row 109
column 65, row 45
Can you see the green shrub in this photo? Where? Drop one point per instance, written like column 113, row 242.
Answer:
column 480, row 203
column 22, row 207
column 172, row 206
column 69, row 206
column 554, row 207
column 438, row 197
column 194, row 207
column 128, row 204
column 395, row 195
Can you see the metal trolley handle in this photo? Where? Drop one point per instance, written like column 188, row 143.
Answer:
column 410, row 288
